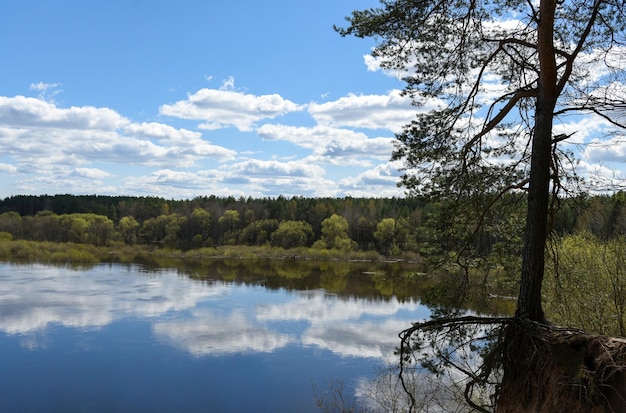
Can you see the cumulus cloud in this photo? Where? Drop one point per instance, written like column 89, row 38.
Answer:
column 581, row 128
column 58, row 147
column 20, row 111
column 391, row 111
column 612, row 150
column 189, row 184
column 162, row 182
column 188, row 142
column 382, row 179
column 92, row 173
column 281, row 178
column 221, row 108
column 5, row 167
column 331, row 145
column 373, row 64
column 255, row 167
column 48, row 143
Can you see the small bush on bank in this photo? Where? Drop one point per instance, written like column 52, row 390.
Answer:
column 74, row 255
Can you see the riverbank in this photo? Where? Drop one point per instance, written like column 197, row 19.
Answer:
column 73, row 253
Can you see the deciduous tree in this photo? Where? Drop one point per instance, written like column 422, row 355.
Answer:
column 129, row 227
column 334, row 234
column 385, row 235
column 291, row 234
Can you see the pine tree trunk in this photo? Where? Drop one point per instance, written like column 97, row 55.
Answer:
column 533, row 256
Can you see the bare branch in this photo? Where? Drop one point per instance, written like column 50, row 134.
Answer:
column 594, row 109
column 496, row 120
column 579, row 46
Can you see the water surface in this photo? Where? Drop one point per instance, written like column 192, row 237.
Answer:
column 121, row 338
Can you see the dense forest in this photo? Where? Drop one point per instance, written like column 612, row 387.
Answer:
column 390, row 226
column 589, row 240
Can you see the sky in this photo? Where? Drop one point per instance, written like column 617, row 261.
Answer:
column 199, row 98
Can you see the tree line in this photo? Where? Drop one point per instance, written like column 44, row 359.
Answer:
column 391, row 226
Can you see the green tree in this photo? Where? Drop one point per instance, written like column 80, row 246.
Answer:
column 385, row 235
column 258, row 232
column 46, row 226
column 200, row 222
column 11, row 222
column 77, row 227
column 229, row 223
column 154, row 230
column 335, row 234
column 292, row 234
column 316, row 215
column 100, row 229
column 128, row 227
column 175, row 223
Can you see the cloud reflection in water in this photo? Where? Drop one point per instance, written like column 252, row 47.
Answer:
column 208, row 333
column 199, row 317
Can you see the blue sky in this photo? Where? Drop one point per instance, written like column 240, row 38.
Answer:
column 192, row 98
column 195, row 98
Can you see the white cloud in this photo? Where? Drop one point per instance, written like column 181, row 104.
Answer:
column 20, row 111
column 228, row 84
column 42, row 87
column 391, row 111
column 161, row 131
column 165, row 181
column 331, row 145
column 47, row 143
column 581, row 128
column 255, row 167
column 188, row 142
column 373, row 64
column 47, row 90
column 189, row 184
column 598, row 65
column 611, row 150
column 381, row 180
column 274, row 178
column 257, row 177
column 224, row 108
column 5, row 167
column 91, row 173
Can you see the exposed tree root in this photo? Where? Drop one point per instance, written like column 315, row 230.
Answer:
column 549, row 369
column 520, row 365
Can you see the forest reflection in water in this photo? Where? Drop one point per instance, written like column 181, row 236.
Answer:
column 212, row 335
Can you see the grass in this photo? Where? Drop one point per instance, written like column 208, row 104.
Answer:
column 50, row 252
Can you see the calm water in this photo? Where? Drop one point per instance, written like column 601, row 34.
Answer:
column 119, row 338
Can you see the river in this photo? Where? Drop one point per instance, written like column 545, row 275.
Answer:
column 131, row 338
